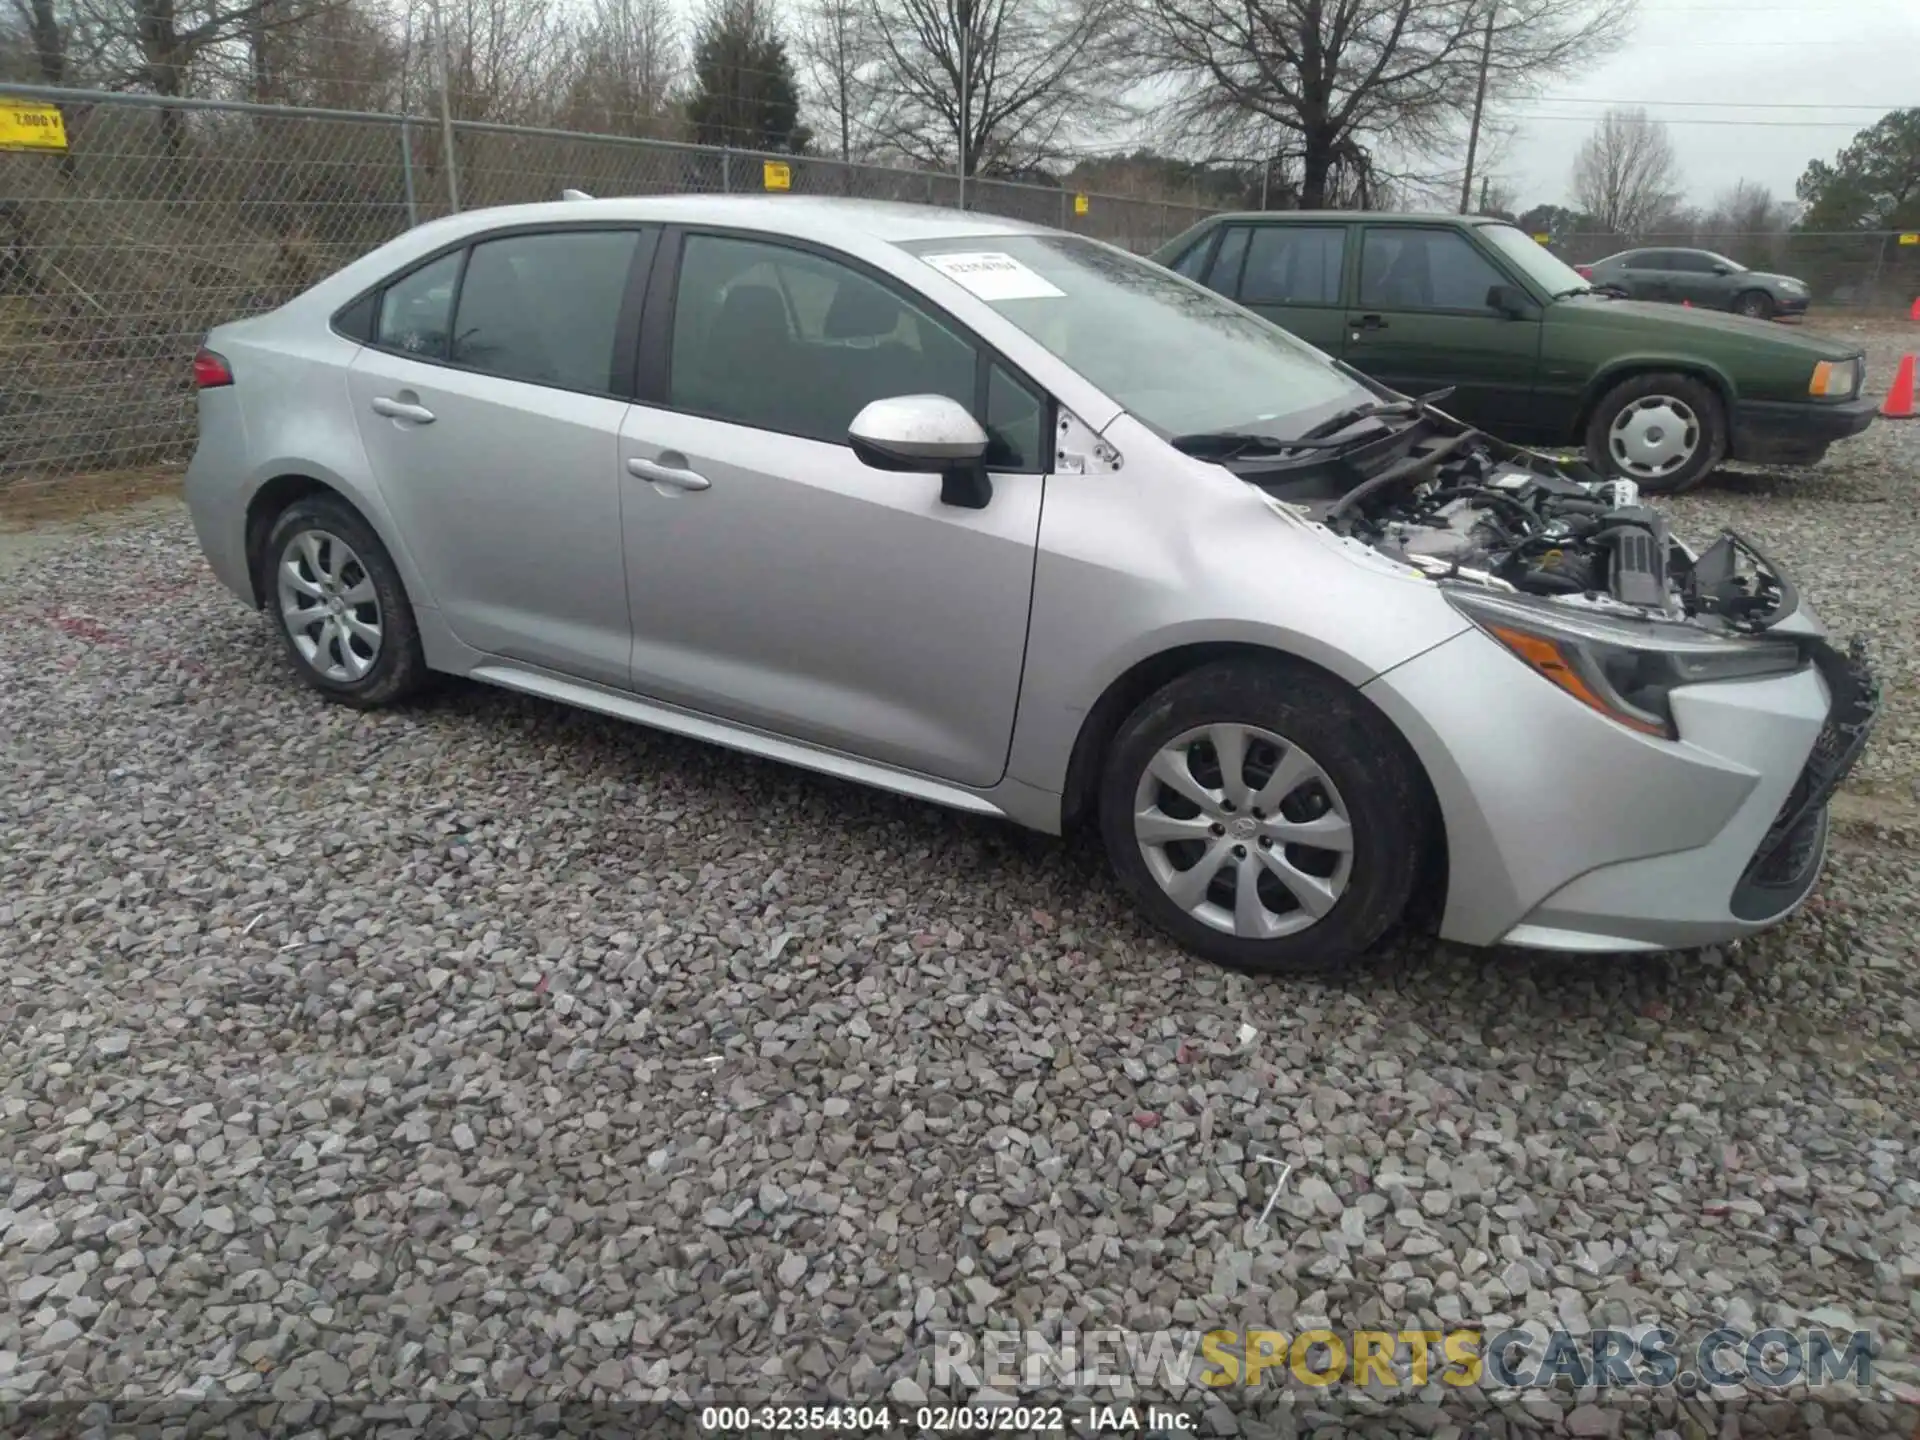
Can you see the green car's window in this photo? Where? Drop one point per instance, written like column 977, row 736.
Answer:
column 1193, row 264
column 1294, row 265
column 1533, row 260
column 1224, row 274
column 1409, row 269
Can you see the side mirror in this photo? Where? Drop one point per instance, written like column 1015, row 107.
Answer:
column 1510, row 301
column 1723, row 270
column 927, row 435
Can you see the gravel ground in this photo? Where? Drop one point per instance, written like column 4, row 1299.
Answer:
column 492, row 1048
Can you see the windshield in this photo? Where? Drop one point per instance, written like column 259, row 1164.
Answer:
column 1175, row 355
column 1734, row 267
column 1541, row 265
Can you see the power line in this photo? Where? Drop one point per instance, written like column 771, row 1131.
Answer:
column 1691, row 120
column 1722, row 104
column 1777, row 10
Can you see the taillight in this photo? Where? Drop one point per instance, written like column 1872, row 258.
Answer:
column 1585, row 272
column 210, row 370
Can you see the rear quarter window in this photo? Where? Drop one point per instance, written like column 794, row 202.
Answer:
column 416, row 311
column 356, row 321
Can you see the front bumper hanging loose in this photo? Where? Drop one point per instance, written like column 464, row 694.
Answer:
column 1787, row 861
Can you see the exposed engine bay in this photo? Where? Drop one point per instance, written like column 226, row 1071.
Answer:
column 1477, row 510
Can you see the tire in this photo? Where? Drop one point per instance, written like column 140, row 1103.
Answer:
column 1651, row 409
column 321, row 556
column 1344, row 761
column 1754, row 304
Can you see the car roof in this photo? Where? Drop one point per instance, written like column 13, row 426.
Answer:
column 1344, row 217
column 817, row 217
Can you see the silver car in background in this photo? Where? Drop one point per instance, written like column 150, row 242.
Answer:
column 1019, row 523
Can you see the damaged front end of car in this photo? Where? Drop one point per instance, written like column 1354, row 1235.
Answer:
column 1592, row 590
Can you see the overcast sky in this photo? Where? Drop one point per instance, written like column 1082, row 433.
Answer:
column 1766, row 87
column 1750, row 91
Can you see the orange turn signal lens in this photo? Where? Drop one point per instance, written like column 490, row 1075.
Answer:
column 1550, row 662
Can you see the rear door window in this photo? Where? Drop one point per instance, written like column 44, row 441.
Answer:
column 544, row 307
column 1294, row 265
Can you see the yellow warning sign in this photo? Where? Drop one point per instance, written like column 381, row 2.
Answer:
column 1079, row 204
column 1910, row 239
column 1543, row 239
column 777, row 174
column 31, row 127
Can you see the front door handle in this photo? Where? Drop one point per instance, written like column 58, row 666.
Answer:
column 675, row 475
column 1367, row 322
column 402, row 410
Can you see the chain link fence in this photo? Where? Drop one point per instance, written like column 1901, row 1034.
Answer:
column 165, row 218
column 1861, row 269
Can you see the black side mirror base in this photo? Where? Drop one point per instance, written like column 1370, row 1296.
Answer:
column 967, row 486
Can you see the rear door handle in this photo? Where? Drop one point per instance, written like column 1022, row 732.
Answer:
column 402, row 410
column 1367, row 322
column 675, row 475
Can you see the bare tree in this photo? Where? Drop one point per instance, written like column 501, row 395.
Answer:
column 503, row 57
column 1625, row 174
column 1748, row 208
column 331, row 53
column 626, row 64
column 1034, row 69
column 1497, row 197
column 836, row 48
column 1341, row 79
column 48, row 38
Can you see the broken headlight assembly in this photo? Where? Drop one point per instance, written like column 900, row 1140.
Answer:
column 1623, row 667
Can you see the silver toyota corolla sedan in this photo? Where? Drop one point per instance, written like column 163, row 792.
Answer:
column 1016, row 522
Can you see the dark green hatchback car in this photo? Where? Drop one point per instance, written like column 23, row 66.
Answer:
column 1533, row 353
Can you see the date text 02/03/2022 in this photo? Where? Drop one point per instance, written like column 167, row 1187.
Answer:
column 764, row 1420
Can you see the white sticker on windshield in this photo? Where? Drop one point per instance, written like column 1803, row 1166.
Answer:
column 993, row 275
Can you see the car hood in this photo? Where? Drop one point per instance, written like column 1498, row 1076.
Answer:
column 1641, row 318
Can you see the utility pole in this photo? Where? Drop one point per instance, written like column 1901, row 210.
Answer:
column 966, row 27
column 1479, row 104
column 446, row 112
column 406, row 125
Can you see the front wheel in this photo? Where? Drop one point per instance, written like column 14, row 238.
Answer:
column 1661, row 431
column 1754, row 304
column 1264, row 815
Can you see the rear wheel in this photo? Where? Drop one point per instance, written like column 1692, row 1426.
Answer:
column 1661, row 431
column 1755, row 304
column 1265, row 816
column 340, row 607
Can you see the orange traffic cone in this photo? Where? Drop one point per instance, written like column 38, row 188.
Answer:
column 1899, row 404
column 1914, row 314
column 1687, row 304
